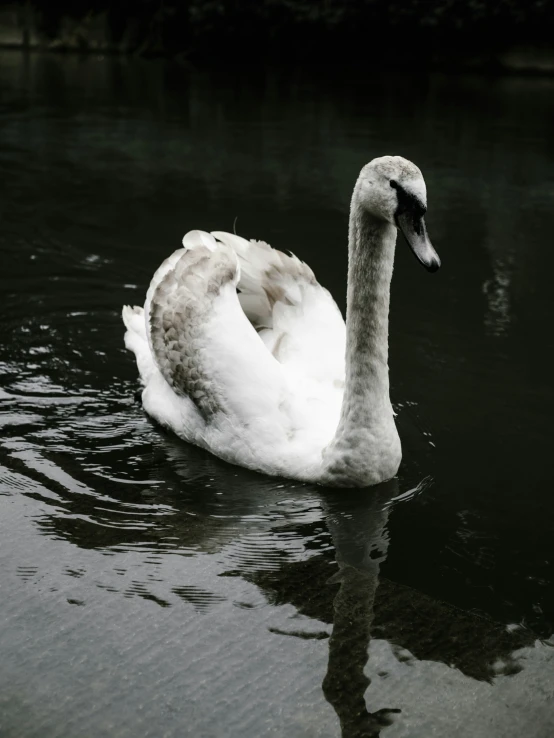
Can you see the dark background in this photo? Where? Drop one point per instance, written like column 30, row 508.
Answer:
column 426, row 30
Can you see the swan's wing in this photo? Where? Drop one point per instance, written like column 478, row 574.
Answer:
column 296, row 317
column 202, row 342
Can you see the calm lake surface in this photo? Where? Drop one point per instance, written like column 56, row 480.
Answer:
column 149, row 590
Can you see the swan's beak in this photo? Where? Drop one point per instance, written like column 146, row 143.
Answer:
column 413, row 227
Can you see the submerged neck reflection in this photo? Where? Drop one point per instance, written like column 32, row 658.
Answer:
column 357, row 522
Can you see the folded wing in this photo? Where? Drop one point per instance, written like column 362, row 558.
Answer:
column 295, row 316
column 204, row 345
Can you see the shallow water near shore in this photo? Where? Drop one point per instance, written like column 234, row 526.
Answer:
column 148, row 589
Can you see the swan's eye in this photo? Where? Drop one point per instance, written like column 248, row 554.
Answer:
column 394, row 184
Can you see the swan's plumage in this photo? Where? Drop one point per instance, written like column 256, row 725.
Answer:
column 242, row 352
column 255, row 376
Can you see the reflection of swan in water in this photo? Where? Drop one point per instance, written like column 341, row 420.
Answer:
column 358, row 527
column 263, row 541
column 419, row 641
column 357, row 523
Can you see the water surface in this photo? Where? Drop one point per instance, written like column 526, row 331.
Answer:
column 149, row 589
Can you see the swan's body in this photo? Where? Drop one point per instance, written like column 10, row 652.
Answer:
column 260, row 378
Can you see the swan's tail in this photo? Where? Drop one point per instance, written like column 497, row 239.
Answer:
column 137, row 342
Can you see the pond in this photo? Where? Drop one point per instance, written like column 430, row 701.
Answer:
column 149, row 589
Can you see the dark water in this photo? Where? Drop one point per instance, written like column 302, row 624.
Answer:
column 148, row 589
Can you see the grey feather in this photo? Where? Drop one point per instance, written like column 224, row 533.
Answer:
column 180, row 306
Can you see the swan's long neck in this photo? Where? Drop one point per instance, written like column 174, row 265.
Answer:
column 370, row 262
column 366, row 435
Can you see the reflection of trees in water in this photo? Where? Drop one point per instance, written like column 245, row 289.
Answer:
column 502, row 245
column 497, row 292
column 284, row 130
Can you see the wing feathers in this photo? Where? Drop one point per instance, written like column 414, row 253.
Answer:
column 179, row 306
column 200, row 336
column 267, row 276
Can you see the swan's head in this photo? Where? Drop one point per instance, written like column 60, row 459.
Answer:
column 392, row 189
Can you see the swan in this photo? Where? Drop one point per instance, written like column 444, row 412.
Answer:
column 243, row 353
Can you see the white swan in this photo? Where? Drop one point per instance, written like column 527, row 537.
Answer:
column 271, row 378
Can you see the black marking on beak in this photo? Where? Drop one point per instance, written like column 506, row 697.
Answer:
column 409, row 219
